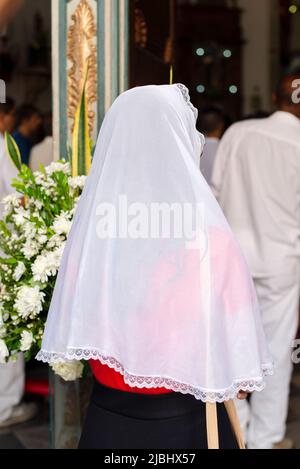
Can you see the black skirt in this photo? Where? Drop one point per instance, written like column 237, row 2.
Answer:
column 126, row 420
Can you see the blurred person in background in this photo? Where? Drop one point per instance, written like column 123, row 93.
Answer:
column 7, row 169
column 12, row 374
column 29, row 122
column 257, row 115
column 43, row 151
column 212, row 123
column 256, row 180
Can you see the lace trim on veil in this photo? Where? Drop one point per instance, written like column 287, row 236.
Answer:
column 186, row 95
column 205, row 395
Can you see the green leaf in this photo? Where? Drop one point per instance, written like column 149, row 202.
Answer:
column 3, row 228
column 81, row 151
column 10, row 261
column 13, row 151
column 42, row 169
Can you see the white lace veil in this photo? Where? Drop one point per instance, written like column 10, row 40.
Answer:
column 158, row 308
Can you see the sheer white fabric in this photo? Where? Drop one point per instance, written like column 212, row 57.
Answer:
column 160, row 310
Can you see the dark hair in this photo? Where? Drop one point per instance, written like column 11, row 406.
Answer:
column 25, row 112
column 210, row 118
column 6, row 108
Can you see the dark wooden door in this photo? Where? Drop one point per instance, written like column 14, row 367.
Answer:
column 152, row 31
column 209, row 55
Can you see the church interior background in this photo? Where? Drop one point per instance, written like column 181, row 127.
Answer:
column 228, row 52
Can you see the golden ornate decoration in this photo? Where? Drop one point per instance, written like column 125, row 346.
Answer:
column 140, row 28
column 81, row 47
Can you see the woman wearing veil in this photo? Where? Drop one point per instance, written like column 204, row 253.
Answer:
column 167, row 317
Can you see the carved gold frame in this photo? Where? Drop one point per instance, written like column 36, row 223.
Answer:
column 80, row 48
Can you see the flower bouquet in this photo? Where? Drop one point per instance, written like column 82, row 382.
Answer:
column 33, row 232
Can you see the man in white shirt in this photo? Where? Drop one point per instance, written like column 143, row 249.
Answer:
column 212, row 123
column 42, row 153
column 12, row 374
column 256, row 180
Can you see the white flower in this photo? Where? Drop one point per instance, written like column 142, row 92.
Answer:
column 42, row 235
column 20, row 216
column 42, row 239
column 69, row 371
column 14, row 237
column 62, row 224
column 28, row 302
column 44, row 266
column 29, row 229
column 77, row 182
column 56, row 166
column 2, row 325
column 30, row 248
column 38, row 204
column 39, row 179
column 12, row 199
column 26, row 340
column 57, row 254
column 11, row 202
column 3, row 352
column 72, row 212
column 55, row 240
column 19, row 271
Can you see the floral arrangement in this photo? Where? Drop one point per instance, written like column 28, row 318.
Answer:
column 33, row 233
column 37, row 220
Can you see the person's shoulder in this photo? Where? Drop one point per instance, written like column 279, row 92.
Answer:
column 267, row 127
column 283, row 127
column 249, row 124
column 291, row 134
column 238, row 129
column 41, row 153
column 17, row 136
column 37, row 147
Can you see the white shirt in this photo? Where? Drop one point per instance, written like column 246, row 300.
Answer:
column 208, row 157
column 41, row 153
column 256, row 180
column 7, row 172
